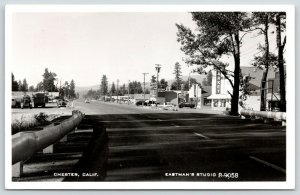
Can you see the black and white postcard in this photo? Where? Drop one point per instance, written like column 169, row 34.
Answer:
column 150, row 97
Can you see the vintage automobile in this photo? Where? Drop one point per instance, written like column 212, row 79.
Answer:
column 39, row 99
column 168, row 106
column 151, row 103
column 141, row 103
column 186, row 104
column 22, row 102
column 61, row 102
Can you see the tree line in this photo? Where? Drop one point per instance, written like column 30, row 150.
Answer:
column 136, row 87
column 222, row 33
column 178, row 82
column 49, row 83
column 133, row 87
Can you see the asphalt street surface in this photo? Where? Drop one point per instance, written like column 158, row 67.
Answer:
column 120, row 142
column 186, row 145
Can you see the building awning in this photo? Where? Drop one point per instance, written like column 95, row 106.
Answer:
column 219, row 96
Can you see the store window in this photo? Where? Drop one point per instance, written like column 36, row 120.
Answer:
column 216, row 103
column 223, row 102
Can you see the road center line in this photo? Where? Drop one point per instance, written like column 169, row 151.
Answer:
column 268, row 164
column 175, row 125
column 201, row 135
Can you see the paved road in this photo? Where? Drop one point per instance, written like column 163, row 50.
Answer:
column 188, row 145
column 156, row 145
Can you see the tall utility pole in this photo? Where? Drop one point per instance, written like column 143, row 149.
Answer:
column 118, row 91
column 157, row 68
column 144, row 73
column 128, row 92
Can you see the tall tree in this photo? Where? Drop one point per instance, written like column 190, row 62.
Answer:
column 280, row 26
column 261, row 22
column 20, row 85
column 104, row 86
column 24, row 86
column 217, row 34
column 163, row 84
column 72, row 89
column 66, row 89
column 14, row 83
column 31, row 88
column 177, row 72
column 135, row 87
column 122, row 90
column 139, row 88
column 39, row 87
column 113, row 89
column 48, row 80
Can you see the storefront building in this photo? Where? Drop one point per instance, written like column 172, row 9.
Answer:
column 221, row 89
column 220, row 98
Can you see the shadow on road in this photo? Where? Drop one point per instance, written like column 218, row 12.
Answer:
column 153, row 146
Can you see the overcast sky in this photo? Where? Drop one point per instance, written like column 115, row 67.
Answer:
column 84, row 46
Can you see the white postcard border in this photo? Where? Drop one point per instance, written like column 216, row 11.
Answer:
column 290, row 96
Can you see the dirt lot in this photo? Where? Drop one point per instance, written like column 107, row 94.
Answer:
column 25, row 117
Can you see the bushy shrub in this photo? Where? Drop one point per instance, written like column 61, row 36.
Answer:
column 41, row 118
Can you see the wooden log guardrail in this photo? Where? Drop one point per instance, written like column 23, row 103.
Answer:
column 280, row 116
column 26, row 144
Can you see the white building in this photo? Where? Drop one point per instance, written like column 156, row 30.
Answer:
column 220, row 98
column 195, row 95
column 221, row 88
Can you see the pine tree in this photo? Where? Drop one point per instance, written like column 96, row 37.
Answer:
column 113, row 89
column 48, row 80
column 24, row 86
column 217, row 34
column 177, row 72
column 72, row 89
column 104, row 86
column 14, row 83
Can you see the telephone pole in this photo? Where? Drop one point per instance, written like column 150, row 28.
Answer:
column 145, row 73
column 157, row 68
column 128, row 97
column 117, row 91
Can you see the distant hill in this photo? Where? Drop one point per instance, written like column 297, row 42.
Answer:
column 84, row 89
column 198, row 77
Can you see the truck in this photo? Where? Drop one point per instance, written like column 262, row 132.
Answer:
column 22, row 102
column 39, row 99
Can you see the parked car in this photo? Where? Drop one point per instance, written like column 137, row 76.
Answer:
column 186, row 104
column 87, row 100
column 141, row 103
column 151, row 103
column 61, row 103
column 168, row 106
